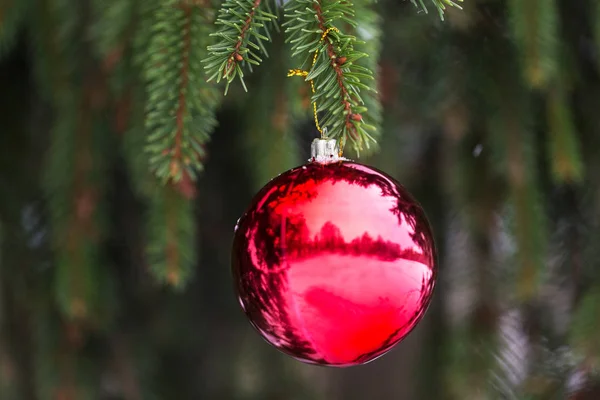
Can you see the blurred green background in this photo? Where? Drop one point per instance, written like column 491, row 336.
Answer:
column 115, row 287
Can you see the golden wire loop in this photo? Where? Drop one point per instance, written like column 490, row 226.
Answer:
column 299, row 72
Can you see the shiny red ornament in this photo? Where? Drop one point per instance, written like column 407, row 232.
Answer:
column 334, row 263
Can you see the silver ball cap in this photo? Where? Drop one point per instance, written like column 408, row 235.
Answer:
column 325, row 151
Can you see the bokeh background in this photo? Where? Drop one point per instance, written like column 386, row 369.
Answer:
column 113, row 287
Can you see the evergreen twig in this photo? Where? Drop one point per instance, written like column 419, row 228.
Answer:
column 340, row 81
column 335, row 74
column 439, row 4
column 243, row 29
column 179, row 117
column 180, row 104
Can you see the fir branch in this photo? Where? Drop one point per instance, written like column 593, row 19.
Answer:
column 337, row 77
column 113, row 21
column 175, row 125
column 512, row 147
column 583, row 335
column 528, row 221
column 169, row 247
column 75, row 174
column 171, row 228
column 439, row 4
column 535, row 30
column 184, row 79
column 113, row 33
column 75, row 180
column 369, row 33
column 244, row 28
column 564, row 147
column 180, row 104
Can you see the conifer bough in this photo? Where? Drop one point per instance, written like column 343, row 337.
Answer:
column 180, row 105
column 317, row 32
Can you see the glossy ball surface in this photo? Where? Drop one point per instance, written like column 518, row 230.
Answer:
column 334, row 264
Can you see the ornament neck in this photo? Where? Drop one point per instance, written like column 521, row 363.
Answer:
column 325, row 151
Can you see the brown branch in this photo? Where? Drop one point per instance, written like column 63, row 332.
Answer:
column 81, row 226
column 333, row 59
column 181, row 108
column 235, row 56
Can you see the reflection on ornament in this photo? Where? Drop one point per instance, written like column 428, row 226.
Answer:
column 334, row 263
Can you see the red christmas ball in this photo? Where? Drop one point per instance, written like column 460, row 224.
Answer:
column 334, row 263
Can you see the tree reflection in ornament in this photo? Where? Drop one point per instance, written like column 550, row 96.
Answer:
column 334, row 263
